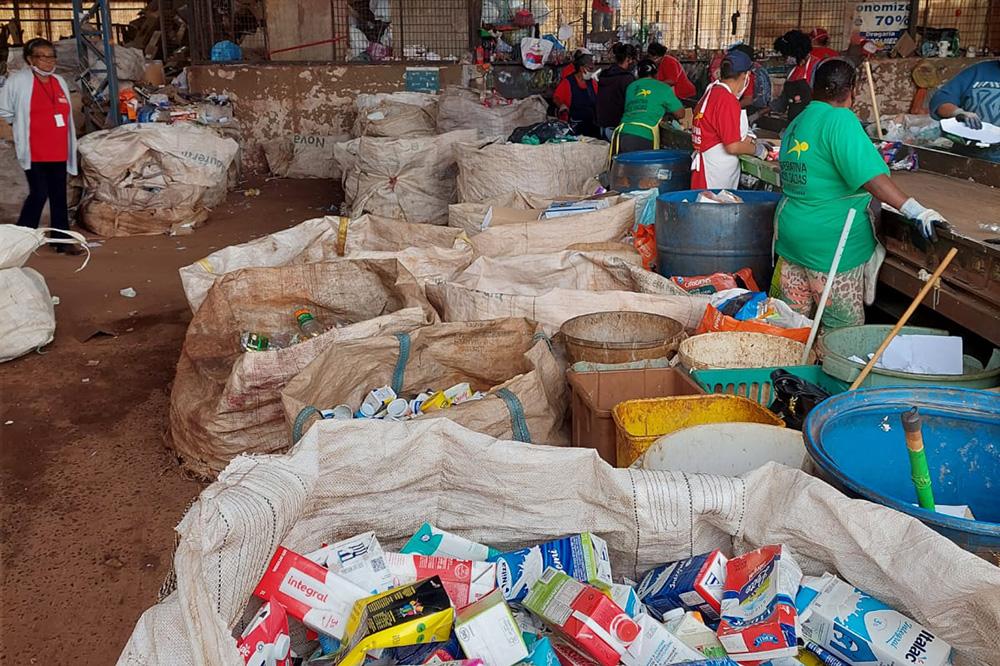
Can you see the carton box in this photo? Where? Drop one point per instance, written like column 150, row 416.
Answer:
column 487, row 630
column 582, row 556
column 627, row 598
column 693, row 584
column 759, row 621
column 429, row 540
column 464, row 580
column 862, row 630
column 359, row 559
column 318, row 597
column 408, row 615
column 265, row 641
column 584, row 615
column 655, row 646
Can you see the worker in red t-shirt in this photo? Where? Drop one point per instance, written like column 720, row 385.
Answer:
column 820, row 44
column 602, row 16
column 35, row 100
column 575, row 98
column 721, row 132
column 671, row 72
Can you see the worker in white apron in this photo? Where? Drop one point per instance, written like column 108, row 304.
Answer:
column 721, row 132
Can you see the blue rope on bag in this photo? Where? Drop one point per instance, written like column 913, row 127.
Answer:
column 300, row 421
column 539, row 336
column 518, row 424
column 404, row 357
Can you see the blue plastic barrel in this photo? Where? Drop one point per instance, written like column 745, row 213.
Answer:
column 668, row 170
column 703, row 238
column 857, row 440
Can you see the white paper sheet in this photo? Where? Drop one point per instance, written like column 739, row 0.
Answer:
column 989, row 135
column 924, row 354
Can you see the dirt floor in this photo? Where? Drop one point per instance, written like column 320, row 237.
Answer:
column 90, row 493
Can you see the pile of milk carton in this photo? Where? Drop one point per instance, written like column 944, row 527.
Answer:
column 446, row 600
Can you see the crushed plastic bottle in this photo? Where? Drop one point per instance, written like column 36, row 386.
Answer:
column 252, row 341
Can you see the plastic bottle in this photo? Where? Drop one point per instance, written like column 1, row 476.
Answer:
column 310, row 327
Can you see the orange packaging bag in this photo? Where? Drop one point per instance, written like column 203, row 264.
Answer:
column 714, row 321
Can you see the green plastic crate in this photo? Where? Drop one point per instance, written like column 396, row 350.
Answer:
column 755, row 383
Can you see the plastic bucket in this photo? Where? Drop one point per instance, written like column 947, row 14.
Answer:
column 621, row 337
column 728, row 449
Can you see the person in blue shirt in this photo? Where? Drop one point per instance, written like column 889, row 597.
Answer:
column 972, row 97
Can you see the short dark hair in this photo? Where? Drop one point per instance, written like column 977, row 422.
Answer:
column 835, row 79
column 37, row 42
column 656, row 50
column 646, row 68
column 620, row 52
column 795, row 44
column 582, row 60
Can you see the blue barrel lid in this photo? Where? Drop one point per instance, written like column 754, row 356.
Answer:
column 748, row 196
column 654, row 157
column 874, row 403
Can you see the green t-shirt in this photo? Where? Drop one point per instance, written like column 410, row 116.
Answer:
column 826, row 158
column 646, row 100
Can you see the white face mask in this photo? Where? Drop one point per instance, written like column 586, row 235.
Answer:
column 42, row 72
column 587, row 76
column 746, row 84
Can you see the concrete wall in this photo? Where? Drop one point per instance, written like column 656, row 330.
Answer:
column 894, row 86
column 278, row 100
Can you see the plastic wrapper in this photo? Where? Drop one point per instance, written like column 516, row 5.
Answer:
column 716, row 282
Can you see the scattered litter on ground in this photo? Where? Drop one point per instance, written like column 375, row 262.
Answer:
column 127, row 292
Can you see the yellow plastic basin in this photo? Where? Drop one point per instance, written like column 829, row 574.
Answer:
column 640, row 422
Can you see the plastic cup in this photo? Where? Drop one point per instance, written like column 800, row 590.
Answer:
column 398, row 409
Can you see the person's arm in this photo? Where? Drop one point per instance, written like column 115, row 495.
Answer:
column 7, row 102
column 672, row 105
column 747, row 147
column 926, row 219
column 562, row 97
column 946, row 102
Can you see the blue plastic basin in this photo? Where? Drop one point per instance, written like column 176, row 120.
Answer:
column 847, row 437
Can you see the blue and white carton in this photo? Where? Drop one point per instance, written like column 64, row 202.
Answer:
column 582, row 556
column 862, row 630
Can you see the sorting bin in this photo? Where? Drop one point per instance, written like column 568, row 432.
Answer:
column 666, row 170
column 755, row 383
column 596, row 393
column 621, row 337
column 639, row 423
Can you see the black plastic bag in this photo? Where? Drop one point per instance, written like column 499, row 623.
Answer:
column 543, row 132
column 794, row 397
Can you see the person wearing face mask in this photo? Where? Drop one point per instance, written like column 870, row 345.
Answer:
column 647, row 101
column 615, row 81
column 757, row 96
column 720, row 132
column 35, row 100
column 828, row 167
column 576, row 97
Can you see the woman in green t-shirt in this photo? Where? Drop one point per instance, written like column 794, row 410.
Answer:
column 646, row 102
column 828, row 167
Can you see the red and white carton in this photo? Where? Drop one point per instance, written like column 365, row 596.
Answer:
column 309, row 592
column 265, row 641
column 583, row 614
column 759, row 620
column 465, row 581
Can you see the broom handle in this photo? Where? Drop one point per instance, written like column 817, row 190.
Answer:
column 871, row 91
column 905, row 318
column 828, row 287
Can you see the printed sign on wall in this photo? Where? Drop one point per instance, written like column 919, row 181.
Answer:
column 880, row 22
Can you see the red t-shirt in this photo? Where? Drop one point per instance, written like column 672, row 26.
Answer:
column 49, row 142
column 718, row 124
column 805, row 71
column 563, row 94
column 602, row 6
column 671, row 73
column 824, row 52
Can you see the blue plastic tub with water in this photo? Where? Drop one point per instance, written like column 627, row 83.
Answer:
column 857, row 440
column 666, row 170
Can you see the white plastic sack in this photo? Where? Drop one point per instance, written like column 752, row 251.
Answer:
column 407, row 179
column 461, row 108
column 27, row 316
column 346, row 478
column 553, row 288
column 303, row 156
column 550, row 170
column 144, row 178
column 535, row 52
column 398, row 115
column 428, row 252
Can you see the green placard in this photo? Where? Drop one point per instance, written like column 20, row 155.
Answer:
column 423, row 79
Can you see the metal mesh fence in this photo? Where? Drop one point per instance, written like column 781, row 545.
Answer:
column 54, row 20
column 969, row 17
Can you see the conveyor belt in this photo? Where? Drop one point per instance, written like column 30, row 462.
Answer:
column 964, row 204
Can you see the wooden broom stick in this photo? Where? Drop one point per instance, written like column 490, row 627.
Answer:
column 905, row 318
column 871, row 91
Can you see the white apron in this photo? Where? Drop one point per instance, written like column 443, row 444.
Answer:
column 721, row 170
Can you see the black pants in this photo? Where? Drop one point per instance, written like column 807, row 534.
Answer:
column 630, row 143
column 46, row 181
